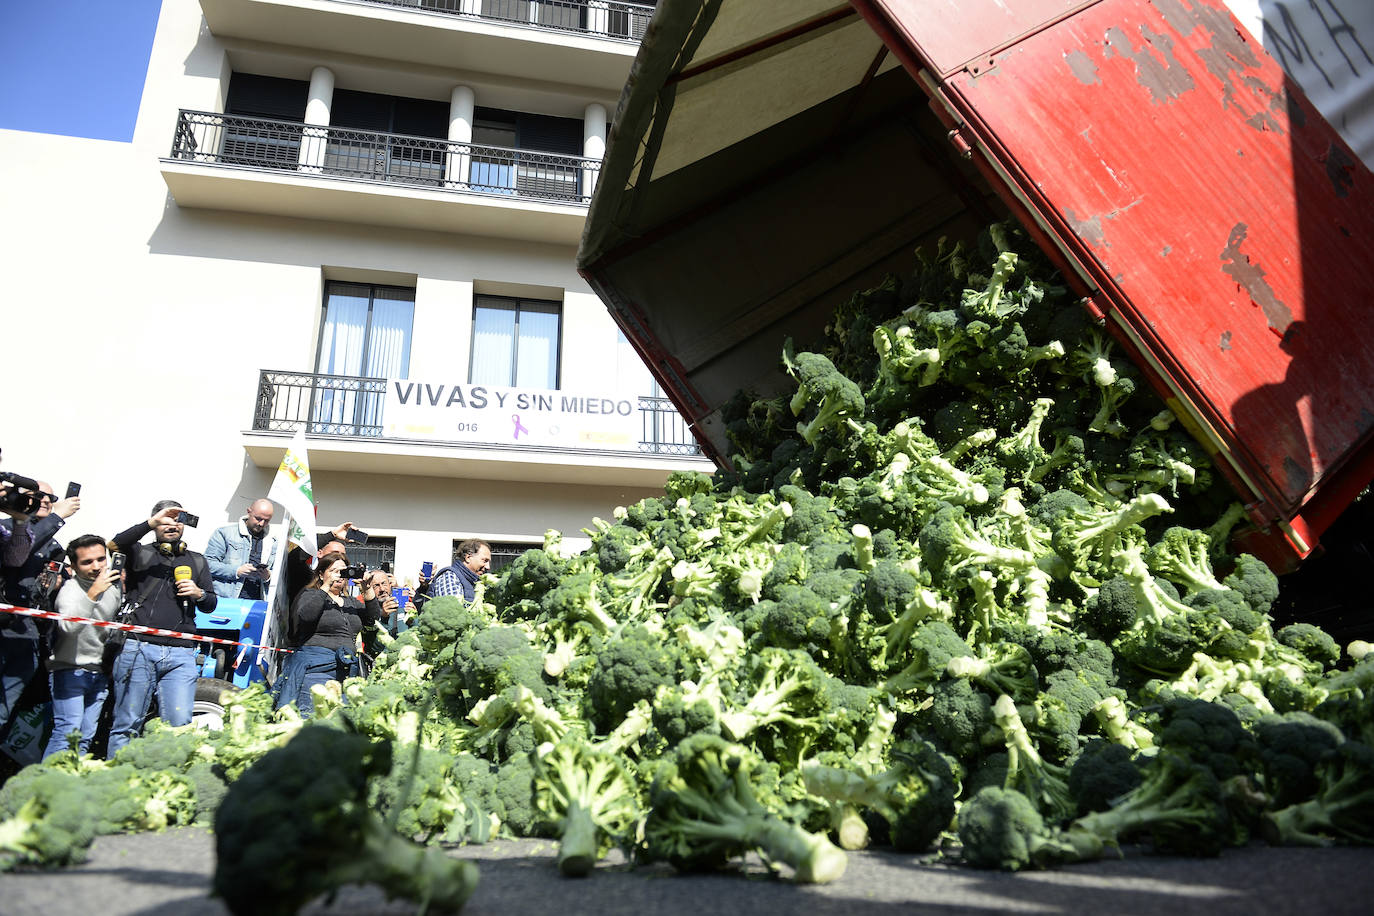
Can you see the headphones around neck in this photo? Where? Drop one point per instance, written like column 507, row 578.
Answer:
column 171, row 548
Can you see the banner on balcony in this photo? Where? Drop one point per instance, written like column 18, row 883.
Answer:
column 454, row 412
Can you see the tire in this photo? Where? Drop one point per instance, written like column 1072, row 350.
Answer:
column 208, row 711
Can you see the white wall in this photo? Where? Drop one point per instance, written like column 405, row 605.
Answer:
column 139, row 328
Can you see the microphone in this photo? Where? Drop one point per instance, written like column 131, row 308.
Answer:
column 183, row 574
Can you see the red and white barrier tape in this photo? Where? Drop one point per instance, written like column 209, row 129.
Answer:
column 136, row 628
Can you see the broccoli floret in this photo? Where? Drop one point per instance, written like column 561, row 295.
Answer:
column 1210, row 734
column 781, row 688
column 1341, row 811
column 616, row 547
column 298, row 824
column 47, row 819
column 443, row 622
column 960, row 718
column 949, row 542
column 492, row 659
column 1315, row 644
column 1256, row 583
column 1000, row 828
column 420, row 798
column 999, row 668
column 914, row 795
column 590, row 798
column 1181, row 555
column 1102, row 773
column 1179, row 804
column 629, row 668
column 888, row 590
column 930, row 649
column 704, row 811
column 532, row 574
column 1291, row 745
column 836, row 398
column 575, row 600
column 681, row 710
column 798, row 619
column 1030, row 774
column 1111, row 611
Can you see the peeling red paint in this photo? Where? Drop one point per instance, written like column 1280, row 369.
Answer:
column 1082, row 67
column 1250, row 277
column 1156, row 67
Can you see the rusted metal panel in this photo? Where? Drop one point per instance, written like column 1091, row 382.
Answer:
column 1226, row 224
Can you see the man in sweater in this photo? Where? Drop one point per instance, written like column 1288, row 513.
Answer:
column 78, row 684
column 168, row 582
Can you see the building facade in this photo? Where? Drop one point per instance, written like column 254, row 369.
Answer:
column 356, row 217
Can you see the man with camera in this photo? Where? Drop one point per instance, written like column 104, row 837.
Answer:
column 166, row 583
column 241, row 556
column 31, row 573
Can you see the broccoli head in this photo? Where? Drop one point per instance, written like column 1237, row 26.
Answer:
column 298, row 824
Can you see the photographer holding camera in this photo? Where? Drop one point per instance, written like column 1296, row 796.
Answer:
column 167, row 583
column 35, row 516
column 242, row 556
column 324, row 646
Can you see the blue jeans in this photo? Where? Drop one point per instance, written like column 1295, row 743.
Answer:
column 308, row 666
column 77, row 697
column 142, row 668
column 18, row 663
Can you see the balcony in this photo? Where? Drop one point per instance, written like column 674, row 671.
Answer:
column 344, row 416
column 596, row 18
column 588, row 43
column 261, row 165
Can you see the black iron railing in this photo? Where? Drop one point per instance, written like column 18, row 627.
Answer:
column 344, row 405
column 220, row 139
column 602, row 18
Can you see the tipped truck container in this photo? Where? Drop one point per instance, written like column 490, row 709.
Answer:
column 769, row 159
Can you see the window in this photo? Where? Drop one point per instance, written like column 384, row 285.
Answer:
column 515, row 342
column 365, row 334
column 255, row 97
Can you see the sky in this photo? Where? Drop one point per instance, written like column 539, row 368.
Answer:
column 74, row 67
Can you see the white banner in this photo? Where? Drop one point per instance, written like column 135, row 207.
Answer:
column 456, row 412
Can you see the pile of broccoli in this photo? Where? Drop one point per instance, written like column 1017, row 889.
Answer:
column 966, row 586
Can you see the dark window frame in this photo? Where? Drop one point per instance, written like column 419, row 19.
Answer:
column 540, row 306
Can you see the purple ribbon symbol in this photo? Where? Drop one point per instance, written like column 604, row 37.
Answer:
column 519, row 427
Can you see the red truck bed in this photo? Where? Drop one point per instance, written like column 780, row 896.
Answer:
column 768, row 161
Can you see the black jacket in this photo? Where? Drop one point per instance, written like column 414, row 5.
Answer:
column 19, row 581
column 151, row 581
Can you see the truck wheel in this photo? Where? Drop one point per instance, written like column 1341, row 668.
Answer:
column 208, row 711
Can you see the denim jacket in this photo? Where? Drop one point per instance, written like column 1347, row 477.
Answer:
column 228, row 550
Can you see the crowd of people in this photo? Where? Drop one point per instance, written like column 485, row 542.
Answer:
column 162, row 584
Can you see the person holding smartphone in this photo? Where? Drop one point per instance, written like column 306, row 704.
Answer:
column 242, row 556
column 77, row 682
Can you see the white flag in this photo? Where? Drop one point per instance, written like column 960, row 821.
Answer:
column 291, row 489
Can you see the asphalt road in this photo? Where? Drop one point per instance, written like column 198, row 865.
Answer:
column 168, row 874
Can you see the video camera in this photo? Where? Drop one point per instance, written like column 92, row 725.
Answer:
column 19, row 493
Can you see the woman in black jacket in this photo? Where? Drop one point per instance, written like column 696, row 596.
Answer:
column 326, row 635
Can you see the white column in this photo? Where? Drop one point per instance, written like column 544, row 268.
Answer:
column 598, row 17
column 314, row 139
column 461, row 108
column 593, row 143
column 471, row 7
